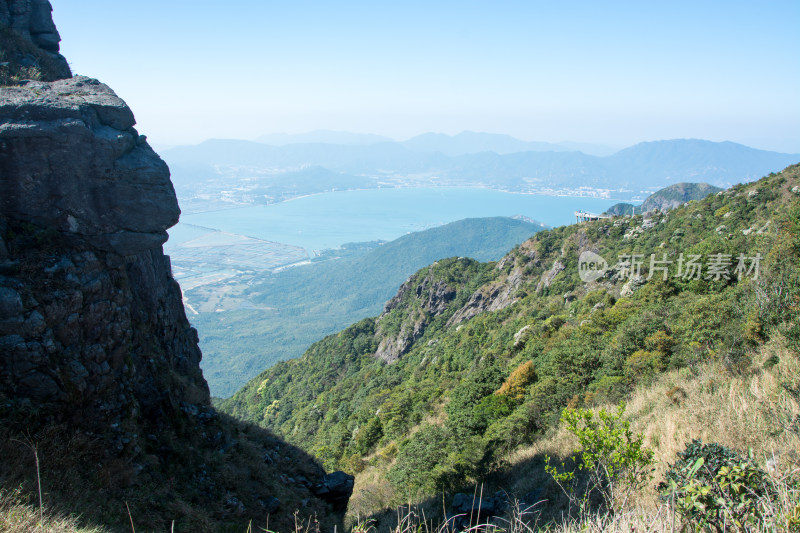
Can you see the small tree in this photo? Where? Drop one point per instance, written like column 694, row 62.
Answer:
column 610, row 462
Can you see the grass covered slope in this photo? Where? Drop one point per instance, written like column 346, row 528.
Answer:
column 484, row 357
column 298, row 306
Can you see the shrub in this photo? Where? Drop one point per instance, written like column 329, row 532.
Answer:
column 418, row 458
column 369, row 435
column 713, row 488
column 611, row 460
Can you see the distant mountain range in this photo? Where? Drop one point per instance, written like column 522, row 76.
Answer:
column 495, row 161
column 323, row 136
column 470, row 142
column 466, row 142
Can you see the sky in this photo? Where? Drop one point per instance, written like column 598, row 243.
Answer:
column 612, row 73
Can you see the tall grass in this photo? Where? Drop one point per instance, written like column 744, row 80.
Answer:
column 780, row 514
column 18, row 516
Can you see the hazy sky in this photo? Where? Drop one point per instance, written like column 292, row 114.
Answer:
column 607, row 72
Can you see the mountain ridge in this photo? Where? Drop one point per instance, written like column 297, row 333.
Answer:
column 459, row 144
column 666, row 198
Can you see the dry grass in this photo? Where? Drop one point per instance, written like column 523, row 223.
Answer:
column 756, row 412
column 780, row 515
column 16, row 516
column 753, row 412
column 371, row 492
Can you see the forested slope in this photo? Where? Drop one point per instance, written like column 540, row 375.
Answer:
column 471, row 361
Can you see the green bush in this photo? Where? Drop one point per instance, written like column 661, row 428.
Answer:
column 369, row 435
column 417, row 459
column 713, row 488
column 611, row 461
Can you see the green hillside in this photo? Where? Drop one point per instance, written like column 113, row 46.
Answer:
column 291, row 309
column 470, row 361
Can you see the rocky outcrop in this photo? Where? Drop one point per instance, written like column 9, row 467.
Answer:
column 431, row 297
column 665, row 199
column 335, row 488
column 91, row 322
column 74, row 142
column 493, row 297
column 94, row 340
column 32, row 20
column 423, row 298
column 676, row 195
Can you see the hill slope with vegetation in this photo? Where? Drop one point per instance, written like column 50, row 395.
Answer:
column 291, row 309
column 471, row 362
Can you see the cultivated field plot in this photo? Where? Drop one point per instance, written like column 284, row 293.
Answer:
column 202, row 256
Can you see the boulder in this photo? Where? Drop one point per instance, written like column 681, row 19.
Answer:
column 468, row 510
column 634, row 284
column 271, row 505
column 336, row 489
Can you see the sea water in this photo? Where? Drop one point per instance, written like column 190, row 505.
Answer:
column 328, row 220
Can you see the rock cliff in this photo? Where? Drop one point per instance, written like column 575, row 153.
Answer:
column 99, row 366
column 90, row 317
column 422, row 300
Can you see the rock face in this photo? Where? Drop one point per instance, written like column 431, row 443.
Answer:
column 92, row 327
column 494, row 297
column 93, row 333
column 431, row 296
column 33, row 20
column 335, row 488
column 74, row 142
column 676, row 195
column 498, row 294
column 666, row 199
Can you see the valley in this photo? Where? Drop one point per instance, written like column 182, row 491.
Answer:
column 276, row 208
column 226, row 259
column 253, row 319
